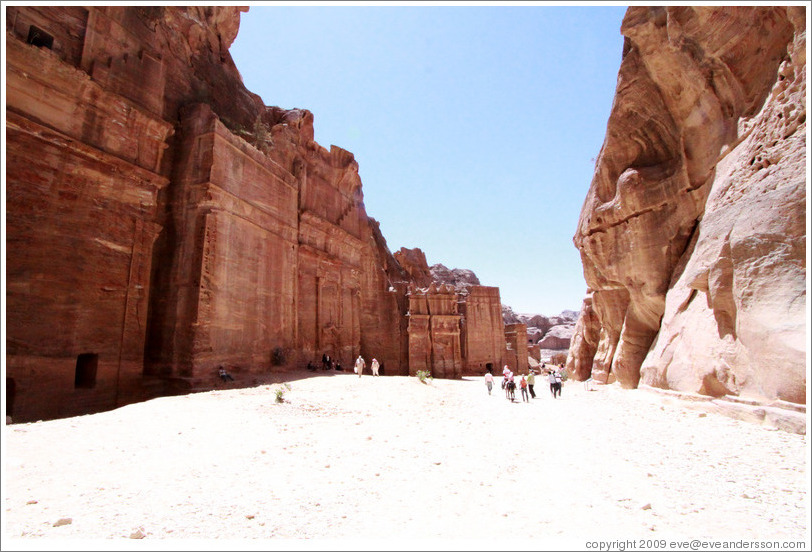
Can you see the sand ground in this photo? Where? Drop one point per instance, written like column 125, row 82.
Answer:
column 390, row 460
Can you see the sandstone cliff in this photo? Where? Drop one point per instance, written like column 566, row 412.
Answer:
column 693, row 232
column 162, row 222
column 413, row 261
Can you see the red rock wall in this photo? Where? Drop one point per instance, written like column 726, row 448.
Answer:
column 161, row 218
column 384, row 304
column 516, row 351
column 482, row 332
column 692, row 233
column 82, row 195
column 434, row 332
column 414, row 262
column 232, row 280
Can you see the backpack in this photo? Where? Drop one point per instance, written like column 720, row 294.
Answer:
column 557, row 377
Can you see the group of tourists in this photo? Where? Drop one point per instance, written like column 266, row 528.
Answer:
column 526, row 384
column 328, row 363
column 360, row 364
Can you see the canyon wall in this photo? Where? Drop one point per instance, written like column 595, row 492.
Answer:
column 163, row 222
column 693, row 232
column 449, row 311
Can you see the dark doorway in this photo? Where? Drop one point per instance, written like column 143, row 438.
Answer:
column 40, row 38
column 11, row 389
column 86, row 365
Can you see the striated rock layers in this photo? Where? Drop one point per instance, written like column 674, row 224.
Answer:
column 693, row 233
column 162, row 222
column 454, row 323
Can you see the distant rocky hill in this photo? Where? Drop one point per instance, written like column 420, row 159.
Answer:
column 414, row 262
column 548, row 332
column 458, row 277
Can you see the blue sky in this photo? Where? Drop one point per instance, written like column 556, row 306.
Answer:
column 475, row 127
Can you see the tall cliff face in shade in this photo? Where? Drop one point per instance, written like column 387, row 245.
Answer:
column 693, row 232
column 162, row 222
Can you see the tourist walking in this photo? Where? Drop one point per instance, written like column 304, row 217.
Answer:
column 557, row 383
column 551, row 379
column 489, row 381
column 510, row 387
column 531, row 381
column 523, row 387
column 375, row 366
column 360, row 365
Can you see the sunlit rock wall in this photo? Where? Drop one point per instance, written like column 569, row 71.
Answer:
column 693, row 232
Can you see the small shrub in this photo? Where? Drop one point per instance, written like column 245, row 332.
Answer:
column 262, row 135
column 280, row 392
column 424, row 375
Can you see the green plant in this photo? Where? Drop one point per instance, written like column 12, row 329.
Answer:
column 424, row 375
column 280, row 392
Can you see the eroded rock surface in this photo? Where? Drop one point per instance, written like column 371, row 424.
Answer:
column 558, row 337
column 693, row 234
column 460, row 278
column 163, row 222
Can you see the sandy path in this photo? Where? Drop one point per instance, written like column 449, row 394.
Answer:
column 391, row 458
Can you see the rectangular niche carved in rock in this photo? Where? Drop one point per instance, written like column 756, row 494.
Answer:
column 40, row 38
column 86, row 365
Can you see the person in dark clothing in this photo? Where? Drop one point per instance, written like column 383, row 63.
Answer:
column 225, row 376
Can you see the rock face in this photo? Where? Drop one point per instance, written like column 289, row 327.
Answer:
column 693, row 233
column 460, row 278
column 584, row 344
column 162, row 222
column 558, row 337
column 517, row 353
column 550, row 333
column 414, row 262
column 455, row 325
